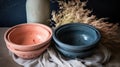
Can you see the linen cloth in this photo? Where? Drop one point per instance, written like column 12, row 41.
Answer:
column 52, row 58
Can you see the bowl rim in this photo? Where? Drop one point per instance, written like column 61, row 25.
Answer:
column 67, row 46
column 15, row 29
column 45, row 27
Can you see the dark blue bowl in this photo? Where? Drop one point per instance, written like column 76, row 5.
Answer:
column 70, row 54
column 76, row 37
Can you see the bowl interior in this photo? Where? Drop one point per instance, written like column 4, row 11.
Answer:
column 77, row 35
column 28, row 35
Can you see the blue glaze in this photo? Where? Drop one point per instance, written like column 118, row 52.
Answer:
column 76, row 37
column 73, row 55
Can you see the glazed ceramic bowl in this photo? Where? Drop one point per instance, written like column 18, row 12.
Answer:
column 76, row 37
column 28, row 54
column 70, row 54
column 28, row 37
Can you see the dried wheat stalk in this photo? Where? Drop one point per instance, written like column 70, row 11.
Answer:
column 74, row 11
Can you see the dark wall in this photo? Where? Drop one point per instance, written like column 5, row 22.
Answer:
column 105, row 8
column 13, row 12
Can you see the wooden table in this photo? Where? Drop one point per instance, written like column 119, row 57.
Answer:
column 5, row 58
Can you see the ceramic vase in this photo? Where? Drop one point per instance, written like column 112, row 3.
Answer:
column 38, row 11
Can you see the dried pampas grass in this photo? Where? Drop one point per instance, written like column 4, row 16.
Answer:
column 73, row 11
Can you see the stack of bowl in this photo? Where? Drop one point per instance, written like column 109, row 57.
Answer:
column 28, row 40
column 76, row 40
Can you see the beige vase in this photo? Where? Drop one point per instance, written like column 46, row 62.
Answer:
column 38, row 11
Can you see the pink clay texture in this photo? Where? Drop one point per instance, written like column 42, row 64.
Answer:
column 28, row 54
column 28, row 37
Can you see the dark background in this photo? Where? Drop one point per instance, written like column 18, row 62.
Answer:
column 105, row 8
column 13, row 12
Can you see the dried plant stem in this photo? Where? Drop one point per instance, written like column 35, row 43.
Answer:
column 74, row 11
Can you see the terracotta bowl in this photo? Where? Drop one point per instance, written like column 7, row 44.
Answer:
column 28, row 37
column 28, row 54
